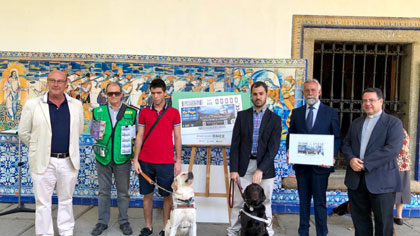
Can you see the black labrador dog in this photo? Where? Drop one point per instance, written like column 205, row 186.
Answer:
column 254, row 197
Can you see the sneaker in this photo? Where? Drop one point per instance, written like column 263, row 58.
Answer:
column 126, row 229
column 99, row 228
column 162, row 233
column 146, row 232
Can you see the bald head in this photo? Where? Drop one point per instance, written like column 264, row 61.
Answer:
column 57, row 74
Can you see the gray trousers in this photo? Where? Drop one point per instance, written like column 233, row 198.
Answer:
column 122, row 179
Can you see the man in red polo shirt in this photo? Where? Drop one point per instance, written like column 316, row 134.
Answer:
column 156, row 158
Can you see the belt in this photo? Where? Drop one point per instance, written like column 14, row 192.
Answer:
column 252, row 157
column 60, row 155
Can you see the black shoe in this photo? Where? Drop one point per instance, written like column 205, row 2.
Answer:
column 99, row 228
column 146, row 232
column 126, row 229
column 162, row 233
column 398, row 221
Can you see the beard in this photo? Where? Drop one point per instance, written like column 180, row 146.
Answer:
column 311, row 101
column 259, row 103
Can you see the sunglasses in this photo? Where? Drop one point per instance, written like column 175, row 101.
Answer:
column 110, row 94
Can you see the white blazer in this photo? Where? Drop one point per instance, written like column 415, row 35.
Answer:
column 35, row 131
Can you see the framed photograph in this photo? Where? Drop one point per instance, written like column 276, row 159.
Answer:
column 311, row 149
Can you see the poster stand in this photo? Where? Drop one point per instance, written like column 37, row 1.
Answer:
column 207, row 192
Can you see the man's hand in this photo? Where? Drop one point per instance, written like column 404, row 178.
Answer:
column 177, row 168
column 326, row 166
column 234, row 176
column 356, row 164
column 136, row 167
column 257, row 177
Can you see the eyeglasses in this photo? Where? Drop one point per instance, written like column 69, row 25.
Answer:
column 110, row 94
column 53, row 81
column 371, row 100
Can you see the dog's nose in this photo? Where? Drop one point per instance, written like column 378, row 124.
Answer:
column 190, row 175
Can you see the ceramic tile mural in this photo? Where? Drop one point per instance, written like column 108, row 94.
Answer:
column 23, row 76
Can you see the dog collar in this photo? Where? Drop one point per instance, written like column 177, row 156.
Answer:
column 184, row 206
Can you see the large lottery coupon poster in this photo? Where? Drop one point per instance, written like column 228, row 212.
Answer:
column 208, row 118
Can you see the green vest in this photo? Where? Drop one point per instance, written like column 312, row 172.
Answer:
column 113, row 146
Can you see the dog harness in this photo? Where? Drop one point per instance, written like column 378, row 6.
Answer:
column 256, row 217
column 179, row 203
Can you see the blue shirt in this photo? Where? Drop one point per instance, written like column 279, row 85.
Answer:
column 60, row 126
column 257, row 117
column 113, row 114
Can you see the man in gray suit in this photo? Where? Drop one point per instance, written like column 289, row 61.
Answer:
column 371, row 148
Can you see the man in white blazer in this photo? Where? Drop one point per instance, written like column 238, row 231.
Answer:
column 50, row 126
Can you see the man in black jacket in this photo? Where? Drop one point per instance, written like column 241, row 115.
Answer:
column 255, row 143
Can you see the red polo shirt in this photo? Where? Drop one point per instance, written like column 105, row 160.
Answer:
column 159, row 146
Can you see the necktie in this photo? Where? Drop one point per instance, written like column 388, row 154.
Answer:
column 310, row 118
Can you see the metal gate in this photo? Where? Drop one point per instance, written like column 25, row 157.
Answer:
column 345, row 69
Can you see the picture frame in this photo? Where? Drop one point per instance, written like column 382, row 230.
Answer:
column 311, row 149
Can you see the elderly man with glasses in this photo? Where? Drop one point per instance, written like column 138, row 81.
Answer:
column 50, row 126
column 113, row 151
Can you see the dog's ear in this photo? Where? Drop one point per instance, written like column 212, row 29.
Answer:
column 262, row 195
column 245, row 194
column 174, row 185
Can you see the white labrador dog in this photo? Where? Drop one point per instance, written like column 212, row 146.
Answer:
column 183, row 215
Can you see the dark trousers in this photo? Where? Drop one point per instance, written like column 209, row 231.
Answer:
column 313, row 185
column 362, row 203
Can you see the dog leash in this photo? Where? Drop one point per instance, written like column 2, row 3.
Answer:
column 232, row 192
column 148, row 179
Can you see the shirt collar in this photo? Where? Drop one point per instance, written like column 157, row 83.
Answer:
column 110, row 107
column 152, row 107
column 45, row 97
column 376, row 115
column 262, row 110
column 315, row 106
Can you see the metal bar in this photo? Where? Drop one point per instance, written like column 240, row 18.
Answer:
column 375, row 56
column 343, row 71
column 364, row 67
column 396, row 80
column 353, row 72
column 385, row 70
column 362, row 53
column 332, row 75
column 322, row 63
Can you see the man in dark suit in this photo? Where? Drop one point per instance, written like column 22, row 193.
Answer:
column 312, row 181
column 371, row 148
column 255, row 143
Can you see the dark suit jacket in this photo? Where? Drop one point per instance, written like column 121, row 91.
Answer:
column 268, row 143
column 381, row 169
column 326, row 122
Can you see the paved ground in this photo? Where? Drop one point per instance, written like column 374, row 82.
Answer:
column 86, row 216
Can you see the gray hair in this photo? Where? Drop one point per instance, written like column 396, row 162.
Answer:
column 113, row 83
column 313, row 81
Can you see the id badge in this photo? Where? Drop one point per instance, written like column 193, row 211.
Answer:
column 100, row 150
